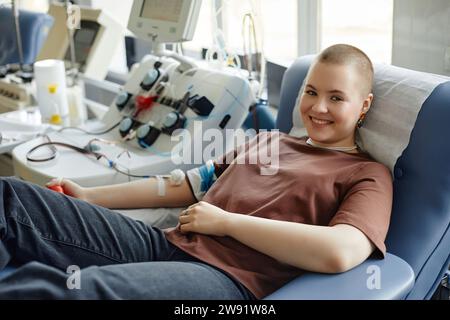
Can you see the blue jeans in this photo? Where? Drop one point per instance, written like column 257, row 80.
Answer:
column 50, row 235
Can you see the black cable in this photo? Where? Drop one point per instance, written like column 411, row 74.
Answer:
column 54, row 151
column 85, row 151
column 254, row 111
column 91, row 133
column 114, row 166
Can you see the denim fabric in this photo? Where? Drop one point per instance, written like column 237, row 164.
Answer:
column 120, row 258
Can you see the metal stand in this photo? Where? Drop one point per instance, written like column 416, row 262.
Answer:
column 15, row 10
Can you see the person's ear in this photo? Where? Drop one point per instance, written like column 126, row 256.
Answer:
column 367, row 103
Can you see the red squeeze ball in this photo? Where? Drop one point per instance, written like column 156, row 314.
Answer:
column 56, row 188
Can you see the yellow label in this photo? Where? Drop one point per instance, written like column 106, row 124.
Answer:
column 55, row 119
column 52, row 88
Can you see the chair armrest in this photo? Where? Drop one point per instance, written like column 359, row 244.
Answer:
column 396, row 280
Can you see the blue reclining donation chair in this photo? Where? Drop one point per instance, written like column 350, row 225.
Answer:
column 34, row 28
column 406, row 129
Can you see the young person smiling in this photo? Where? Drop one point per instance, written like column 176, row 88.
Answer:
column 327, row 209
column 337, row 96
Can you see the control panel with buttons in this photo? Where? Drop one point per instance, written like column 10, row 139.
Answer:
column 158, row 101
column 163, row 114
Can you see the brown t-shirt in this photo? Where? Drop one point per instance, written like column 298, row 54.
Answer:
column 312, row 186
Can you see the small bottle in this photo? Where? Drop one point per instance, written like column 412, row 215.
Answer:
column 51, row 91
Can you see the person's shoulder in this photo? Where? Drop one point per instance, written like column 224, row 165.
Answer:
column 374, row 169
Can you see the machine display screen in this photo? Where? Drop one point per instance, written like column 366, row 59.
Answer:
column 164, row 10
column 83, row 40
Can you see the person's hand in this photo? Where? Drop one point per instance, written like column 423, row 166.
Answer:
column 68, row 187
column 205, row 218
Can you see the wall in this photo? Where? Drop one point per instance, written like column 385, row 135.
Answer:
column 421, row 35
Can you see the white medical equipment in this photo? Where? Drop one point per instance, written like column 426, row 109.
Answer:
column 95, row 41
column 98, row 36
column 162, row 95
column 15, row 94
column 18, row 126
column 164, row 21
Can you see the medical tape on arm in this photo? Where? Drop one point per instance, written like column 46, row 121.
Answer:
column 161, row 186
column 202, row 178
column 176, row 178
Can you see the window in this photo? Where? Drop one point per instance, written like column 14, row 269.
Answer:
column 202, row 36
column 366, row 24
column 278, row 25
column 288, row 28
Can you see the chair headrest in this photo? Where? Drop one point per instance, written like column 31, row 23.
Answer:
column 398, row 97
column 34, row 27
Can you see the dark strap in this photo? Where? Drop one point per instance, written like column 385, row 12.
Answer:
column 254, row 111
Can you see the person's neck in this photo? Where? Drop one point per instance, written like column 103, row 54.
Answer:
column 350, row 147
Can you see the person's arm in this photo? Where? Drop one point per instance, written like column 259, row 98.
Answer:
column 315, row 248
column 309, row 247
column 136, row 194
column 141, row 194
column 358, row 228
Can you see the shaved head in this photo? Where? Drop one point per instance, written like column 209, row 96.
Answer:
column 343, row 54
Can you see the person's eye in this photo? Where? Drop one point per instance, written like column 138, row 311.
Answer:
column 310, row 93
column 336, row 98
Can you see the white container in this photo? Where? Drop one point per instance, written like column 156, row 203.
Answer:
column 50, row 77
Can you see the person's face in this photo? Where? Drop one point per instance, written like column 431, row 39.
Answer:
column 332, row 103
